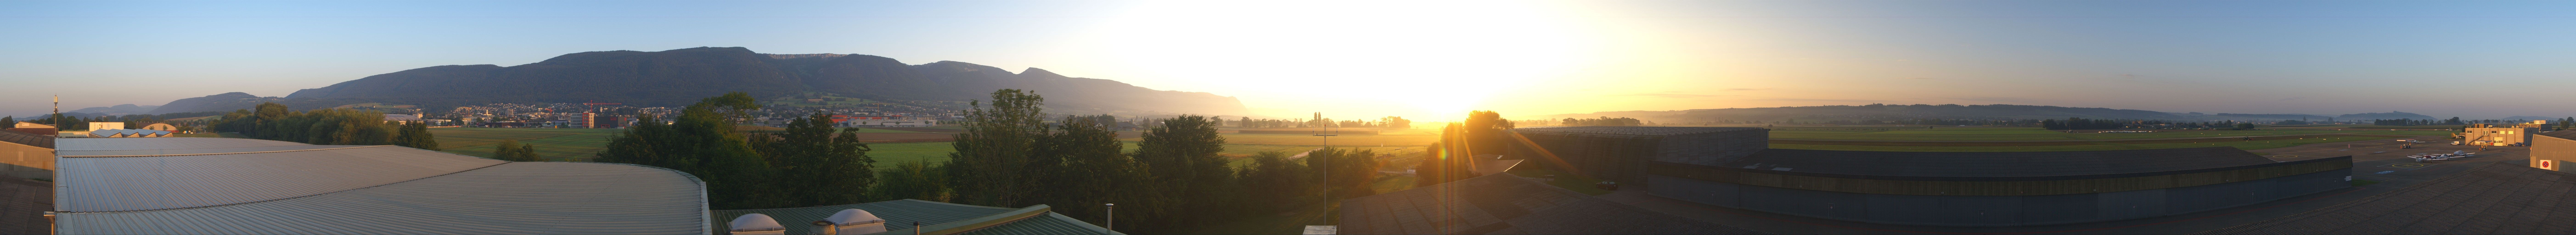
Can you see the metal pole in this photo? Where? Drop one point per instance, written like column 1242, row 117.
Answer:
column 1112, row 224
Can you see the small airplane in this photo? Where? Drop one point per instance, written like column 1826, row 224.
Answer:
column 2441, row 156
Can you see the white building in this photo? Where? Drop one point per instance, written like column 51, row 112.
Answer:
column 890, row 122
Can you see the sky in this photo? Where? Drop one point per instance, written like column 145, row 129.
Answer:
column 1430, row 60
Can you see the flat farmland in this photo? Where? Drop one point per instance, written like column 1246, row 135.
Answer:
column 551, row 144
column 1350, row 140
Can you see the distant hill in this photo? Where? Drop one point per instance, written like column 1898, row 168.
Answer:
column 680, row 77
column 2256, row 117
column 218, row 102
column 122, row 109
column 2531, row 118
column 2387, row 115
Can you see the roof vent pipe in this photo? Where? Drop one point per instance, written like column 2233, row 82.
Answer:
column 851, row 221
column 755, row 224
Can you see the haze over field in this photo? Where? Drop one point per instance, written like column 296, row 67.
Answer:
column 1430, row 60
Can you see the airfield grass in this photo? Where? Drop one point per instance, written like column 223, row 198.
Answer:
column 551, row 144
column 874, row 130
column 1346, row 140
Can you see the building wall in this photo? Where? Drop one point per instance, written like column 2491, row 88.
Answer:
column 2547, row 148
column 1620, row 158
column 2022, row 210
column 106, row 125
column 22, row 161
column 1712, row 148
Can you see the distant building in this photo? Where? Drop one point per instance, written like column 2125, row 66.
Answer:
column 404, row 118
column 2483, row 134
column 106, row 125
column 856, row 122
column 154, row 126
column 33, row 128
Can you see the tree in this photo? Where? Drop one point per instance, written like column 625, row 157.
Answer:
column 2245, row 126
column 702, row 142
column 913, row 180
column 416, row 135
column 1347, row 172
column 512, row 150
column 816, row 167
column 1277, row 180
column 993, row 163
column 1096, row 170
column 1182, row 154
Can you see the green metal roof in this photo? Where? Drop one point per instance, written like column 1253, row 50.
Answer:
column 935, row 218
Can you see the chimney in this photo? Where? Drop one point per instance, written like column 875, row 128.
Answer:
column 755, row 224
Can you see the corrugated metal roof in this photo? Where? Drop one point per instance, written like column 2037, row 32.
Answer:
column 90, row 144
column 512, row 198
column 166, row 182
column 1508, row 204
column 1637, row 130
column 99, row 153
column 900, row 214
column 29, row 139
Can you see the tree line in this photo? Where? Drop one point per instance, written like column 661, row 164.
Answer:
column 1388, row 122
column 810, row 163
column 1602, row 121
column 272, row 121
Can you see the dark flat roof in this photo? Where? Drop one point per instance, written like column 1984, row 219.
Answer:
column 1637, row 130
column 1508, row 204
column 29, row 139
column 2561, row 134
column 2498, row 198
column 1997, row 164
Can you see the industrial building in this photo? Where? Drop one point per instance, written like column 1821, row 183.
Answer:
column 2552, row 150
column 1732, row 167
column 2494, row 135
column 249, row 186
column 26, row 155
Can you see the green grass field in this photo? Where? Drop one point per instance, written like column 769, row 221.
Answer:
column 1347, row 140
column 551, row 144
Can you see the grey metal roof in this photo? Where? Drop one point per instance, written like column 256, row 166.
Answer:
column 134, row 153
column 900, row 214
column 29, row 139
column 2498, row 198
column 168, row 182
column 1998, row 164
column 1507, row 204
column 2561, row 134
column 1637, row 130
column 90, row 144
column 243, row 186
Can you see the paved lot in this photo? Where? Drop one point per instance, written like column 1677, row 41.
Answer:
column 2375, row 160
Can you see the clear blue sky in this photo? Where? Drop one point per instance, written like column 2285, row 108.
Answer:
column 2448, row 58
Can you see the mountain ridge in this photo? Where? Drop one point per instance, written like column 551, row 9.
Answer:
column 680, row 76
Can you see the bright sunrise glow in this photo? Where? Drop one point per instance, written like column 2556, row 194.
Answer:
column 1286, row 59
